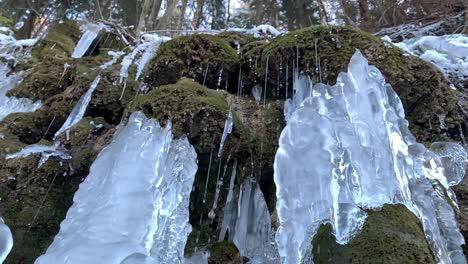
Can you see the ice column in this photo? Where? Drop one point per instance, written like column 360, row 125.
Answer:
column 133, row 206
column 90, row 34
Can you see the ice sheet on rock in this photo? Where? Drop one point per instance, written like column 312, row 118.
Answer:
column 9, row 105
column 45, row 152
column 147, row 49
column 260, row 30
column 6, row 240
column 228, row 124
column 79, row 109
column 448, row 53
column 89, row 35
column 115, row 56
column 134, row 203
column 348, row 147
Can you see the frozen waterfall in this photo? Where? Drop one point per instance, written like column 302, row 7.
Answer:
column 133, row 206
column 6, row 240
column 347, row 147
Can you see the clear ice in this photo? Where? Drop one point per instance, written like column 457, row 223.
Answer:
column 248, row 224
column 89, row 35
column 347, row 148
column 12, row 50
column 79, row 109
column 133, row 206
column 228, row 124
column 6, row 240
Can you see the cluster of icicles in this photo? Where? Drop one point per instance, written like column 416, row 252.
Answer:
column 345, row 148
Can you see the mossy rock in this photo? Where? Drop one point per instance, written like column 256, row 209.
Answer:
column 60, row 41
column 35, row 200
column 6, row 22
column 422, row 88
column 390, row 235
column 224, row 252
column 200, row 57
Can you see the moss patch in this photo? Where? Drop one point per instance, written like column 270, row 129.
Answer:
column 390, row 235
column 224, row 252
column 422, row 88
column 200, row 57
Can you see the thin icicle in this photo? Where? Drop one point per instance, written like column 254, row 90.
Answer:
column 79, row 109
column 46, row 152
column 219, row 185
column 208, row 175
column 229, row 209
column 228, row 124
column 266, row 82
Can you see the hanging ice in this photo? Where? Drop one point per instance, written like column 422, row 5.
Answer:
column 46, row 152
column 257, row 93
column 10, row 51
column 228, row 124
column 147, row 49
column 248, row 224
column 115, row 56
column 90, row 34
column 79, row 109
column 6, row 240
column 348, row 147
column 133, row 206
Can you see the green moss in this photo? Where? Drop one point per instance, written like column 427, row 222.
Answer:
column 199, row 56
column 391, row 235
column 224, row 252
column 422, row 88
column 6, row 22
column 59, row 42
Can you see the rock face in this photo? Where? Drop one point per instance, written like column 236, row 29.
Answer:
column 35, row 200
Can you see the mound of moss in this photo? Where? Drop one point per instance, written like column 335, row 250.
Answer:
column 209, row 60
column 224, row 252
column 390, row 235
column 324, row 52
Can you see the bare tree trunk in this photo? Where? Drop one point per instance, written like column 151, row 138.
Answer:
column 180, row 23
column 259, row 8
column 152, row 20
column 273, row 14
column 322, row 12
column 199, row 13
column 290, row 14
column 165, row 21
column 364, row 12
column 144, row 15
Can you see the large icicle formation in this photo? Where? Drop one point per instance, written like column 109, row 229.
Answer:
column 348, row 147
column 248, row 224
column 133, row 206
column 448, row 53
column 10, row 50
column 91, row 31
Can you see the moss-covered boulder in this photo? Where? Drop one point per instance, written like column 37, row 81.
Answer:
column 209, row 60
column 225, row 252
column 6, row 22
column 324, row 52
column 390, row 235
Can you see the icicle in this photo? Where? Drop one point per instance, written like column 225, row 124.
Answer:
column 6, row 240
column 266, row 82
column 79, row 109
column 257, row 93
column 462, row 135
column 46, row 152
column 204, row 76
column 229, row 210
column 92, row 31
column 331, row 151
column 220, row 77
column 135, row 200
column 228, row 124
column 208, row 175
column 239, row 85
column 219, row 185
column 441, row 121
column 287, row 81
